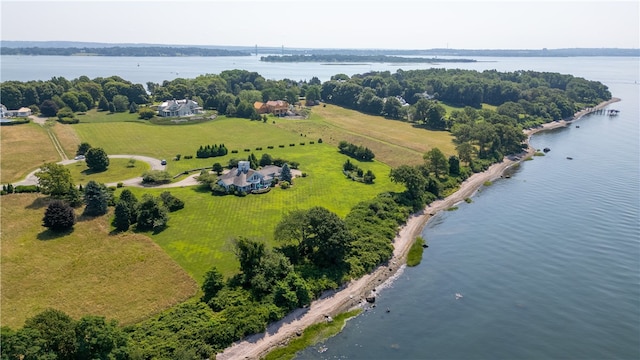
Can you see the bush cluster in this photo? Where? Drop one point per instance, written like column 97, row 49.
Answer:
column 211, row 151
column 355, row 151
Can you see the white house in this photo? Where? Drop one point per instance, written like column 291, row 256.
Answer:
column 245, row 179
column 22, row 112
column 174, row 107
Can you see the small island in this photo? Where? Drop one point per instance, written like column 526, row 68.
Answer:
column 344, row 58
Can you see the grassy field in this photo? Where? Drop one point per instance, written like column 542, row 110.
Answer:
column 67, row 137
column 118, row 170
column 394, row 142
column 198, row 236
column 124, row 277
column 23, row 149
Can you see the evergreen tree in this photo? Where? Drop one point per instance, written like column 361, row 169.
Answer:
column 96, row 198
column 152, row 215
column 285, row 174
column 97, row 159
column 128, row 198
column 59, row 216
column 103, row 104
column 122, row 217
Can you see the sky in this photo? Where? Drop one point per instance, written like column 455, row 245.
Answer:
column 359, row 24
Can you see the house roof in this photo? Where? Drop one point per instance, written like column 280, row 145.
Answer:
column 257, row 105
column 277, row 103
column 239, row 178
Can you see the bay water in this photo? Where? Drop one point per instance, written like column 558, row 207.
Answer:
column 543, row 265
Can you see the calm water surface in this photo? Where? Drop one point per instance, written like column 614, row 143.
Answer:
column 547, row 262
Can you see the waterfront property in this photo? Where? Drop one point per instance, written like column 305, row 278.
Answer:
column 22, row 112
column 182, row 107
column 243, row 178
column 275, row 107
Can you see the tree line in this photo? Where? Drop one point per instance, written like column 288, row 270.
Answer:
column 155, row 51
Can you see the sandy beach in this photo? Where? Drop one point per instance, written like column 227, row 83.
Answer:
column 353, row 294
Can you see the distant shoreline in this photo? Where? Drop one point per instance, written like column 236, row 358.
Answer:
column 354, row 293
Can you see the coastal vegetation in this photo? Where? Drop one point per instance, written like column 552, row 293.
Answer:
column 429, row 129
column 414, row 257
column 341, row 58
column 155, row 51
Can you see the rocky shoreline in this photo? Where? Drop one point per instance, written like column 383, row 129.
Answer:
column 355, row 293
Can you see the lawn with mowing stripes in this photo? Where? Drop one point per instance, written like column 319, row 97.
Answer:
column 198, row 236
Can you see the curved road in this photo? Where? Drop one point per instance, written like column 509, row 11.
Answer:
column 155, row 164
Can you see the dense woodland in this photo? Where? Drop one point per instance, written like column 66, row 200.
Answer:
column 337, row 58
column 160, row 51
column 317, row 250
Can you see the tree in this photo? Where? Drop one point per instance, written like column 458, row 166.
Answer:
column 413, row 180
column 57, row 332
column 59, row 216
column 465, row 151
column 368, row 177
column 213, row 282
column 266, row 159
column 121, row 103
column 96, row 199
column 454, row 165
column 49, row 108
column 128, row 198
column 97, row 159
column 54, row 180
column 83, row 148
column 97, row 338
column 103, row 104
column 285, row 174
column 436, row 162
column 133, row 108
column 171, row 202
column 152, row 215
column 321, row 236
column 217, row 168
column 122, row 217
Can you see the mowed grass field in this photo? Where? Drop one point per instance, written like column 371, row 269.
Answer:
column 118, row 170
column 394, row 142
column 24, row 148
column 198, row 236
column 88, row 271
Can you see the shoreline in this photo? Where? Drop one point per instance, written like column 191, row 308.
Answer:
column 353, row 293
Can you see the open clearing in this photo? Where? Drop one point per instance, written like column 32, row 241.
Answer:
column 123, row 277
column 24, row 148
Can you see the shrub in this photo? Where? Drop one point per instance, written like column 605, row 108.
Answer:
column 178, row 156
column 119, row 185
column 26, row 189
column 171, row 202
column 270, row 147
column 320, row 141
column 301, row 143
column 188, row 157
column 146, row 113
column 259, row 148
column 284, row 185
column 234, row 151
column 151, row 214
column 304, row 174
column 68, row 121
column 292, row 144
column 247, row 150
column 281, row 146
column 156, row 177
column 311, row 142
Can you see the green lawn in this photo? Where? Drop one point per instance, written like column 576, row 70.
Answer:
column 198, row 236
column 165, row 142
column 118, row 170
